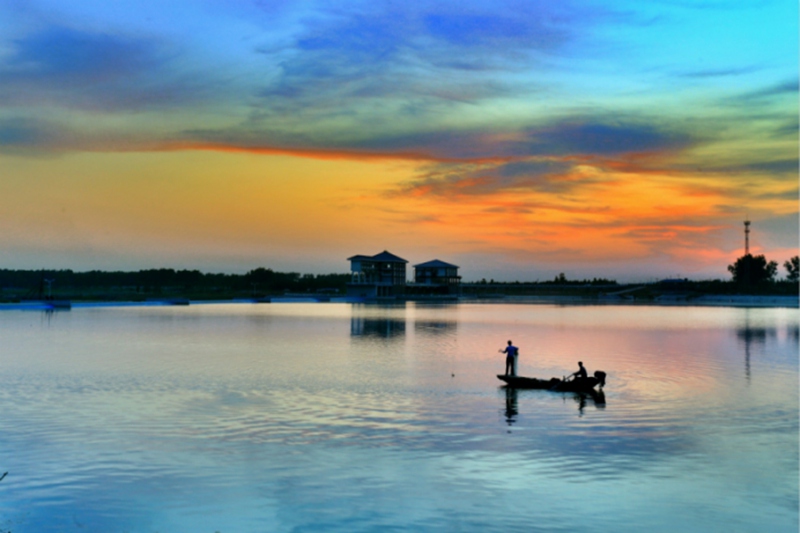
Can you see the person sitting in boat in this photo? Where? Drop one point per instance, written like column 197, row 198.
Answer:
column 581, row 373
column 511, row 352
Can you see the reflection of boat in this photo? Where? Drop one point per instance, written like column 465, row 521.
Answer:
column 598, row 397
column 582, row 397
column 586, row 384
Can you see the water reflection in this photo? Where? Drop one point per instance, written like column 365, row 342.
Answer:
column 390, row 440
column 436, row 328
column 384, row 328
column 48, row 314
column 596, row 398
column 750, row 336
column 755, row 335
column 793, row 332
column 512, row 400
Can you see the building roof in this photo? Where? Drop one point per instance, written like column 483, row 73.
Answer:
column 435, row 264
column 384, row 257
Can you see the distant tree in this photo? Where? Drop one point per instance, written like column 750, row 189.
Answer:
column 561, row 278
column 792, row 267
column 260, row 275
column 751, row 270
column 188, row 278
column 603, row 281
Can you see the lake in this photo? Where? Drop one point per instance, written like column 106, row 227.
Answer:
column 300, row 417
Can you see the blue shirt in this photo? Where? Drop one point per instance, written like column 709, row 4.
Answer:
column 511, row 350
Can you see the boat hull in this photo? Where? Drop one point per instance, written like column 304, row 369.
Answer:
column 521, row 382
column 576, row 385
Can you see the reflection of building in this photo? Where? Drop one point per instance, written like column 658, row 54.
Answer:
column 377, row 276
column 376, row 327
column 435, row 328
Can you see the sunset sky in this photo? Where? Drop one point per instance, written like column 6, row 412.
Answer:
column 516, row 139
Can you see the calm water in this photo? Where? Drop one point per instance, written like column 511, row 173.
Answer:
column 340, row 417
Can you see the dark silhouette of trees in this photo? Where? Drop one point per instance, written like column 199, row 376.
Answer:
column 750, row 270
column 792, row 267
column 165, row 281
column 561, row 279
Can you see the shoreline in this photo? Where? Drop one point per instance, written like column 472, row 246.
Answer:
column 664, row 301
column 740, row 301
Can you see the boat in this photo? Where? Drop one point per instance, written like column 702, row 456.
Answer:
column 520, row 382
column 586, row 384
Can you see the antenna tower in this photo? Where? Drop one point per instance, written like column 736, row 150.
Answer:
column 746, row 237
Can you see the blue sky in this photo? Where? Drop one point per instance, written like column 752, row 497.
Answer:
column 593, row 122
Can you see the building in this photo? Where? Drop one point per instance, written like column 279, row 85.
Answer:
column 436, row 277
column 377, row 276
column 436, row 272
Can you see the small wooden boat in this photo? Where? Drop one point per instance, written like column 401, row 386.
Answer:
column 586, row 384
column 521, row 382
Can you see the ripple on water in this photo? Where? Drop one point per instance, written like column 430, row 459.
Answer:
column 365, row 426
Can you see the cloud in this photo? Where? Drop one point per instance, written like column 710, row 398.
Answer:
column 20, row 132
column 561, row 137
column 766, row 95
column 31, row 136
column 513, row 147
column 605, row 138
column 485, row 179
column 786, row 87
column 371, row 62
column 721, row 72
column 779, row 166
column 778, row 231
column 362, row 80
column 536, row 28
column 64, row 53
column 788, row 195
column 68, row 68
column 788, row 127
column 365, row 80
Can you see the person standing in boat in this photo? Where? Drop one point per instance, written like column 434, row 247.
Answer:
column 581, row 373
column 511, row 352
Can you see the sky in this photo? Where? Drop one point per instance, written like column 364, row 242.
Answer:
column 516, row 139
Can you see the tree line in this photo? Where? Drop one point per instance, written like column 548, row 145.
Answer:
column 749, row 273
column 164, row 281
